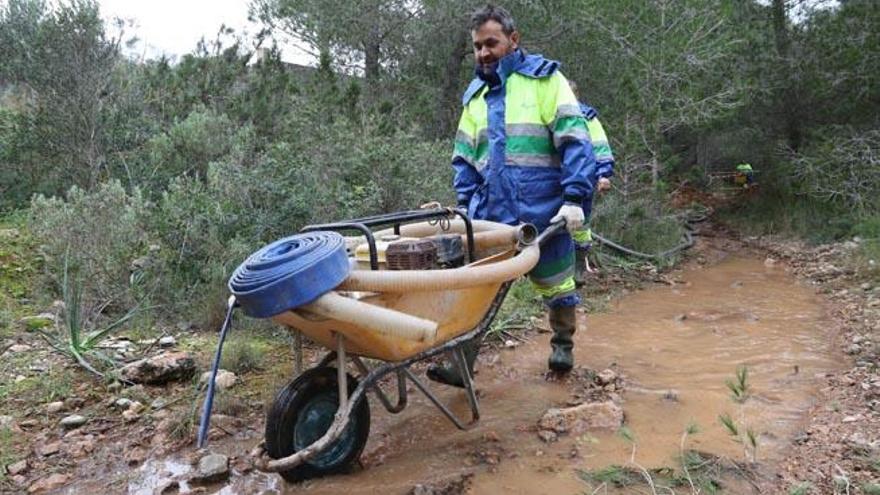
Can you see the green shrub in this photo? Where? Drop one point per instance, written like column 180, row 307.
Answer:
column 103, row 233
column 242, row 355
column 638, row 223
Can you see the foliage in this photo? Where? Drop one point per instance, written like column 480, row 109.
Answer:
column 102, row 234
column 631, row 219
column 242, row 355
column 801, row 489
column 165, row 174
column 76, row 341
column 739, row 387
column 520, row 305
column 843, row 168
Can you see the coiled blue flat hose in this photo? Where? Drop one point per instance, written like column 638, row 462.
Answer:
column 284, row 275
column 289, row 273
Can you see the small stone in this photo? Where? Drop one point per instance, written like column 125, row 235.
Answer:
column 167, row 341
column 122, row 403
column 39, row 367
column 18, row 467
column 243, row 465
column 212, row 467
column 548, row 436
column 48, row 449
column 20, row 378
column 769, row 262
column 851, row 419
column 736, row 284
column 857, row 339
column 6, row 422
column 854, row 349
column 19, row 348
column 53, row 482
column 73, row 421
column 158, row 403
column 671, row 395
column 510, row 344
column 866, row 286
column 491, row 436
column 135, row 456
column 115, row 386
column 135, row 407
column 130, row 416
column 681, row 317
column 223, row 380
column 606, row 376
column 168, row 487
column 54, row 407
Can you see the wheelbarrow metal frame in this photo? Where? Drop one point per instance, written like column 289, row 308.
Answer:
column 369, row 378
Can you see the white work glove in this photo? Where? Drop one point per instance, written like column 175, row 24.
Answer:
column 573, row 215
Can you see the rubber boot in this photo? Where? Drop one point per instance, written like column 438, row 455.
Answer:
column 563, row 321
column 448, row 374
column 581, row 268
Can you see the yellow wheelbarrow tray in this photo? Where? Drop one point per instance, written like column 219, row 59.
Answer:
column 397, row 318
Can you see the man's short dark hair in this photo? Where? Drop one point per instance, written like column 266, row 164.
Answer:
column 493, row 13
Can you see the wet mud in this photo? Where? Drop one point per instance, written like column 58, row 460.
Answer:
column 675, row 347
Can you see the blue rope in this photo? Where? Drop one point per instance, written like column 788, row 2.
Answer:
column 289, row 273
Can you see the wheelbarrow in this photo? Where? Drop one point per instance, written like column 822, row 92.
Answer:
column 319, row 423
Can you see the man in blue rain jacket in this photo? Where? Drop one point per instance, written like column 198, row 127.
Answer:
column 523, row 154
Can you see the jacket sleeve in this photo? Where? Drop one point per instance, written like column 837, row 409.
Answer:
column 601, row 149
column 571, row 139
column 464, row 155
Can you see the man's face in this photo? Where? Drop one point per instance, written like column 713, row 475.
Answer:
column 491, row 44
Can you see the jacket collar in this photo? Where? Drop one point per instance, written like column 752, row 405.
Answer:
column 534, row 66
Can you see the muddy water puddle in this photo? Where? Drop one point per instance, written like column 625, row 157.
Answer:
column 675, row 346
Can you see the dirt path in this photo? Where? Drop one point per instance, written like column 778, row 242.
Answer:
column 675, row 347
column 672, row 347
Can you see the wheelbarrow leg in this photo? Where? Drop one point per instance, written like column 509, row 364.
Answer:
column 445, row 410
column 461, row 361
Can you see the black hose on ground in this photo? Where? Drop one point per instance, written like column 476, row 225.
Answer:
column 687, row 242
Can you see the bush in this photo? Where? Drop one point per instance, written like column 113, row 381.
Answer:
column 638, row 223
column 103, row 235
column 842, row 167
column 242, row 355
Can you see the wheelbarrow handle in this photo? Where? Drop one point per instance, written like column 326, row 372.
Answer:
column 553, row 229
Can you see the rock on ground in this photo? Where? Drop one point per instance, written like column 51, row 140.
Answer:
column 212, row 467
column 53, row 482
column 157, row 370
column 17, row 468
column 223, row 380
column 578, row 419
column 73, row 421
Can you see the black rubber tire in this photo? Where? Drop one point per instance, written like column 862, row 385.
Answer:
column 315, row 393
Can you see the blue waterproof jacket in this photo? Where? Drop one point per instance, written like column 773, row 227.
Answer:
column 522, row 146
column 601, row 150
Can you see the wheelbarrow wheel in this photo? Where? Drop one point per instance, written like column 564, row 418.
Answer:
column 302, row 412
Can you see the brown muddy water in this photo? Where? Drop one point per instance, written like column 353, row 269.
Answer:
column 676, row 346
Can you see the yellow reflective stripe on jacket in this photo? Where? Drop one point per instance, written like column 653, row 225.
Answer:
column 540, row 115
column 601, row 147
